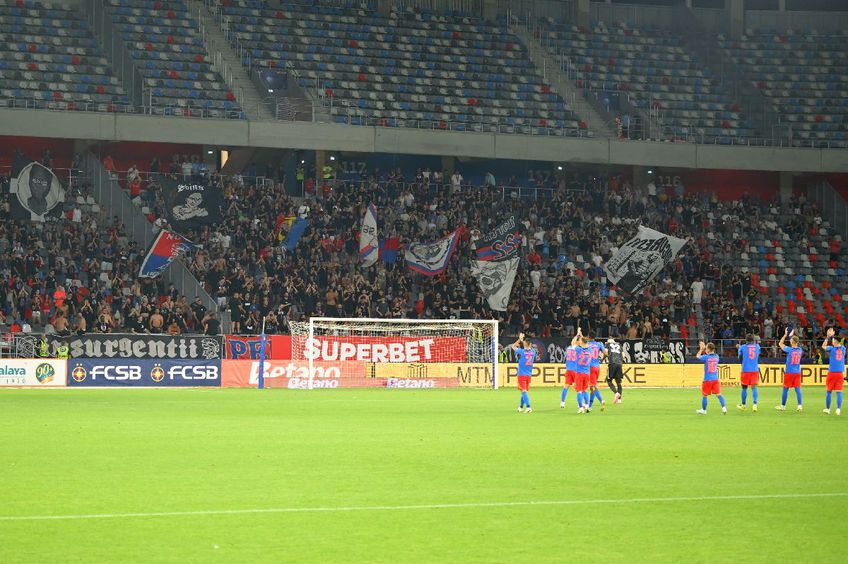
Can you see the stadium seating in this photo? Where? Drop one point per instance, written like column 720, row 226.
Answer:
column 805, row 76
column 49, row 58
column 168, row 51
column 404, row 69
column 654, row 69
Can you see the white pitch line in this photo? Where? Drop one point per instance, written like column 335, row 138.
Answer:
column 349, row 509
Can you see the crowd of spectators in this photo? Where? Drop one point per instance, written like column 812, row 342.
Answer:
column 77, row 272
column 571, row 227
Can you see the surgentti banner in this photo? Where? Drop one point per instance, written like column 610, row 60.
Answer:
column 34, row 372
column 666, row 375
column 166, row 373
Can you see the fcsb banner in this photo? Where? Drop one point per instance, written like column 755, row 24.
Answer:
column 151, row 373
column 667, row 375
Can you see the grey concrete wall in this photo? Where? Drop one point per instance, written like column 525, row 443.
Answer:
column 333, row 137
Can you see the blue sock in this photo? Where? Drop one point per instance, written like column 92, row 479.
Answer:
column 838, row 400
column 827, row 400
column 704, row 403
column 584, row 398
column 755, row 393
column 598, row 395
column 798, row 395
column 579, row 396
column 522, row 400
column 591, row 399
column 525, row 399
column 721, row 401
column 744, row 395
column 783, row 396
column 562, row 396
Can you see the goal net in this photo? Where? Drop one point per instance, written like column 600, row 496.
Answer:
column 397, row 352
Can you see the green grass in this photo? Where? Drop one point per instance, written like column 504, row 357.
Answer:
column 84, row 452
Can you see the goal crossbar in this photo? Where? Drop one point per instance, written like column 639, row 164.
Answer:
column 484, row 333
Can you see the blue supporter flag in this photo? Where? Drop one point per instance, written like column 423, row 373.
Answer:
column 295, row 233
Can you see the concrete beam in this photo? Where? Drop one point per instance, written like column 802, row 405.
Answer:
column 336, row 137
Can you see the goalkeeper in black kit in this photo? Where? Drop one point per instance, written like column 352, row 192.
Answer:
column 615, row 372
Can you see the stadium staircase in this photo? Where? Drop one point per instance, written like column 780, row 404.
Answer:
column 115, row 202
column 226, row 62
column 560, row 84
column 833, row 206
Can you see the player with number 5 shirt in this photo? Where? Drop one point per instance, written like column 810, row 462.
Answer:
column 750, row 355
column 710, row 385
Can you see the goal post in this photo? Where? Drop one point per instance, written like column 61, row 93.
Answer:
column 401, row 352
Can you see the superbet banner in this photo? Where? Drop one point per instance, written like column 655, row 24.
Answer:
column 380, row 349
column 241, row 347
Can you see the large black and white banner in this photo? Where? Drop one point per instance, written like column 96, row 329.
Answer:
column 191, row 205
column 636, row 351
column 36, row 188
column 196, row 347
column 495, row 280
column 497, row 263
column 641, row 258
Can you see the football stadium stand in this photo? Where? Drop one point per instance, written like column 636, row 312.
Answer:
column 805, row 76
column 760, row 263
column 404, row 68
column 168, row 51
column 653, row 68
column 50, row 59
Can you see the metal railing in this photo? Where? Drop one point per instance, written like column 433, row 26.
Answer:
column 150, row 109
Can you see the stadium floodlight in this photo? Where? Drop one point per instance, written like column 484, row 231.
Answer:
column 446, row 349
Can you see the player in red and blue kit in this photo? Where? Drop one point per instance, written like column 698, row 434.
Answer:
column 750, row 355
column 792, row 373
column 582, row 369
column 526, row 356
column 570, row 373
column 598, row 352
column 710, row 385
column 835, row 371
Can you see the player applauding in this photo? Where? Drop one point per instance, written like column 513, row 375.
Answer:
column 526, row 355
column 792, row 373
column 836, row 370
column 582, row 368
column 570, row 373
column 750, row 355
column 710, row 385
column 598, row 353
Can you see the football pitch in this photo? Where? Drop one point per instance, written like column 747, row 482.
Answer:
column 378, row 475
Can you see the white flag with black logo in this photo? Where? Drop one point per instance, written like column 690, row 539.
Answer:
column 640, row 259
column 495, row 279
column 369, row 245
